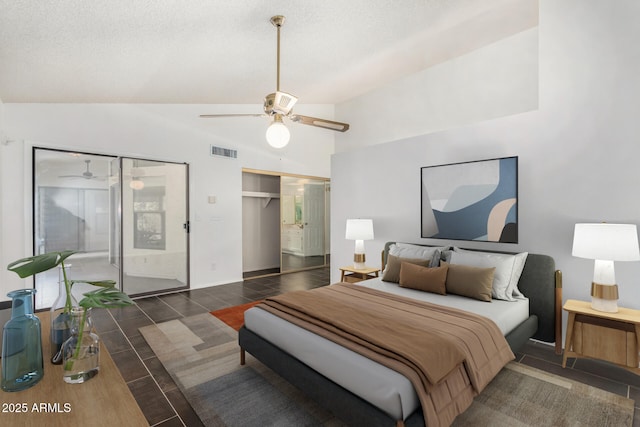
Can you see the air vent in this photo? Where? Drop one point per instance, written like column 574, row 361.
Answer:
column 224, row 152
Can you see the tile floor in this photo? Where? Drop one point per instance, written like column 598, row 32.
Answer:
column 163, row 404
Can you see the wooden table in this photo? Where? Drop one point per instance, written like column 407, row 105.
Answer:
column 614, row 337
column 104, row 400
column 353, row 275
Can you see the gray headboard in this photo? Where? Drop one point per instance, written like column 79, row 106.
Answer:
column 542, row 284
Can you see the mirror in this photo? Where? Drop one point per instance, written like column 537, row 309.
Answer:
column 303, row 231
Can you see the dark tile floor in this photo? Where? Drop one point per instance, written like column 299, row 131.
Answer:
column 163, row 404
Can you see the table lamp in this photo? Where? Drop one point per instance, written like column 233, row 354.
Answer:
column 605, row 243
column 359, row 230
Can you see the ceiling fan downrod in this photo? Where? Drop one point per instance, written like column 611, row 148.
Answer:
column 277, row 21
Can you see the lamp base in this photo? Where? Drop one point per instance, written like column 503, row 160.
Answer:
column 604, row 297
column 358, row 261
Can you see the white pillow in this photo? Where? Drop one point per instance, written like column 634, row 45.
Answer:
column 406, row 250
column 508, row 270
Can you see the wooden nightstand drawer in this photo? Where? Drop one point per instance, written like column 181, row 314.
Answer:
column 606, row 343
column 350, row 278
column 613, row 337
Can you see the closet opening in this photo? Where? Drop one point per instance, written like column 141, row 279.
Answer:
column 285, row 223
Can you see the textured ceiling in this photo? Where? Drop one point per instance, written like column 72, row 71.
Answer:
column 224, row 52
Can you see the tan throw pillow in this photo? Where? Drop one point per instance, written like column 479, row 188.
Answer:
column 468, row 281
column 507, row 274
column 428, row 279
column 392, row 270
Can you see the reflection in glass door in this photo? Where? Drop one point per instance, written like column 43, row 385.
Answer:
column 154, row 226
column 128, row 227
column 71, row 212
column 303, row 223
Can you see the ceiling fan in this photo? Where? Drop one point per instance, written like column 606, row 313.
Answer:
column 280, row 104
column 87, row 174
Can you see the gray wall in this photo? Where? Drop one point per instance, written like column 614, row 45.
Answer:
column 577, row 144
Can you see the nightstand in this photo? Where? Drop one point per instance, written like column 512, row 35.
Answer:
column 599, row 335
column 353, row 275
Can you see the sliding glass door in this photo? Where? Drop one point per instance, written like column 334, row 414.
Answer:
column 71, row 212
column 154, row 226
column 126, row 218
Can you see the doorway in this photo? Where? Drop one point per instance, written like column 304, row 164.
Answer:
column 126, row 218
column 285, row 223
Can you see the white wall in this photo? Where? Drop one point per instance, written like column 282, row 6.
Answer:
column 577, row 150
column 158, row 132
column 496, row 80
column 3, row 204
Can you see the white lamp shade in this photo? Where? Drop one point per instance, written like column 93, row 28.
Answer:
column 611, row 242
column 277, row 134
column 359, row 229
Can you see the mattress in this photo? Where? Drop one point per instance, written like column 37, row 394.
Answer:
column 382, row 387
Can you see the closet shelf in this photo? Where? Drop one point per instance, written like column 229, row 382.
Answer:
column 263, row 195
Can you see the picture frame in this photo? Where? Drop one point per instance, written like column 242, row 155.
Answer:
column 473, row 201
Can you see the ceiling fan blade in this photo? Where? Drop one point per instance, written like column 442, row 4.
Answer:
column 322, row 123
column 209, row 116
column 87, row 174
column 99, row 178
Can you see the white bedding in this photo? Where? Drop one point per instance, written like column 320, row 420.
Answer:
column 375, row 383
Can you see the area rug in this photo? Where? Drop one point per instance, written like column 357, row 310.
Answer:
column 234, row 316
column 202, row 355
column 523, row 396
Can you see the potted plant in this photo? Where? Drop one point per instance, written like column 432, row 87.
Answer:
column 61, row 316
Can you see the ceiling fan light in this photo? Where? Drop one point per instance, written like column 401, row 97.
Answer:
column 277, row 133
column 136, row 184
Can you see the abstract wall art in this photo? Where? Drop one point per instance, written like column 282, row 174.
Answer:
column 471, row 201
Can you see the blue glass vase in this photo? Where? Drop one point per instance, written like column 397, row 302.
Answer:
column 22, row 365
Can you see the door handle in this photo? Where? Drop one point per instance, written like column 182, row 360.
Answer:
column 187, row 227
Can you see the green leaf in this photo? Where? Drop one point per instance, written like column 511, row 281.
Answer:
column 101, row 283
column 105, row 298
column 29, row 266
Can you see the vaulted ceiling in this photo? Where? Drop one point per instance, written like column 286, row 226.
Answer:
column 224, row 52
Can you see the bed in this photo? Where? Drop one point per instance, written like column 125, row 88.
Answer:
column 343, row 385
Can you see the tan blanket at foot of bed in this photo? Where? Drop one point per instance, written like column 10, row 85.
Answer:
column 449, row 355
